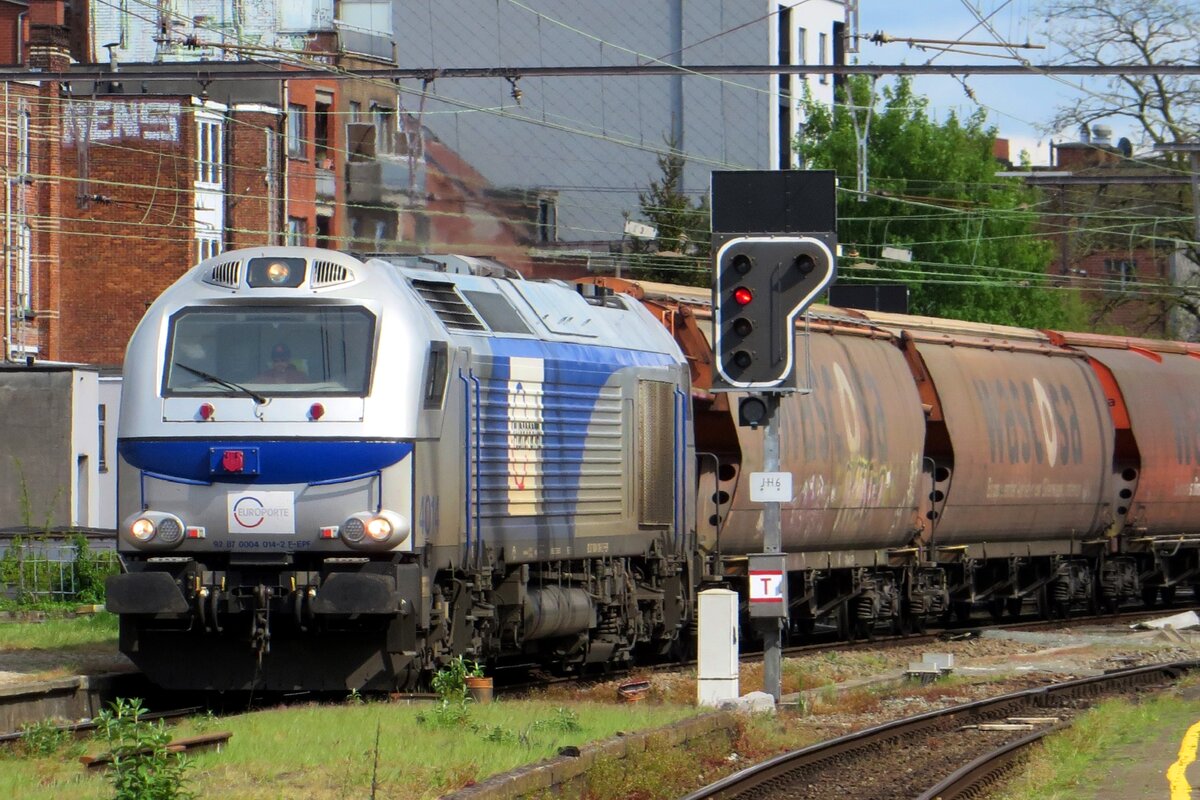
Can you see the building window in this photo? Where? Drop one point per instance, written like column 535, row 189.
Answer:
column 209, row 150
column 295, row 131
column 1122, row 269
column 24, row 269
column 208, row 246
column 355, row 111
column 547, row 220
column 23, row 120
column 322, row 131
column 297, row 232
column 385, row 126
column 823, row 55
column 324, row 231
column 801, row 46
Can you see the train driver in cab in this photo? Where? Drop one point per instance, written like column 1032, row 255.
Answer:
column 281, row 368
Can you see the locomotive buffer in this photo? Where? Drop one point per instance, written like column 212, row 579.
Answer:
column 773, row 243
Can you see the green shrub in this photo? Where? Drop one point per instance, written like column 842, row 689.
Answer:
column 142, row 766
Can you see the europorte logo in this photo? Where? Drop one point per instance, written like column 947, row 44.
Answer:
column 262, row 512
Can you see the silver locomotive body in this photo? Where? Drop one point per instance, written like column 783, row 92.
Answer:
column 337, row 473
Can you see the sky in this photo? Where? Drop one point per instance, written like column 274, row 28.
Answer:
column 1018, row 106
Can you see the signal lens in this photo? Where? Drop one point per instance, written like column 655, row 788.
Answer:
column 170, row 531
column 316, row 411
column 743, row 327
column 804, row 263
column 742, row 296
column 742, row 263
column 742, row 359
column 353, row 530
column 142, row 529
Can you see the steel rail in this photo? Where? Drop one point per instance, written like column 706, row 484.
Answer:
column 986, row 769
column 779, row 769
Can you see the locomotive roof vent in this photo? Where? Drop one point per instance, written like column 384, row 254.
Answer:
column 227, row 274
column 327, row 273
column 449, row 306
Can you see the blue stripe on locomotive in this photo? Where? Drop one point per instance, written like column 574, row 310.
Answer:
column 279, row 461
column 573, row 377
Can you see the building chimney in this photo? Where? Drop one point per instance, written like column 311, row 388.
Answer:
column 1102, row 136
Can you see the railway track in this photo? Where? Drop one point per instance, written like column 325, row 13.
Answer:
column 30, row 705
column 941, row 754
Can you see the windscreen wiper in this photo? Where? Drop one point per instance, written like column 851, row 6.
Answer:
column 237, row 387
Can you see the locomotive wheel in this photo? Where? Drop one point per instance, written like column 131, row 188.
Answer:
column 1150, row 596
column 1168, row 595
column 962, row 610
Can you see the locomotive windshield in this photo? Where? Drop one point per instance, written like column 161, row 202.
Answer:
column 270, row 351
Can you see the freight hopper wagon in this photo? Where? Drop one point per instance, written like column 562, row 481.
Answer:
column 942, row 467
column 339, row 474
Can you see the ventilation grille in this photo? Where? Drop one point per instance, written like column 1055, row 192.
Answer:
column 655, row 452
column 449, row 306
column 228, row 275
column 327, row 273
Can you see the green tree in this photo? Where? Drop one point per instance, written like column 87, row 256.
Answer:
column 933, row 190
column 679, row 253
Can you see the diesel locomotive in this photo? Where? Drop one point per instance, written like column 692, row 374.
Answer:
column 339, row 473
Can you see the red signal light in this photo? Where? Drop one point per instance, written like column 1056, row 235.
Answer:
column 742, row 296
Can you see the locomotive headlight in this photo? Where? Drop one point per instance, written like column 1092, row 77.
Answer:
column 155, row 529
column 380, row 528
column 277, row 272
column 142, row 529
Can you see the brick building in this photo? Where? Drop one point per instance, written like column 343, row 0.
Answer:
column 118, row 185
column 1111, row 216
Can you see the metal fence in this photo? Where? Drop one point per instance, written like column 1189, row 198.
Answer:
column 32, row 571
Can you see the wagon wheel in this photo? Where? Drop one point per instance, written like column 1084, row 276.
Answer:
column 996, row 608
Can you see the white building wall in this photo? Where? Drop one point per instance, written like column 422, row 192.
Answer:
column 811, row 34
column 109, row 398
column 594, row 140
column 232, row 29
column 84, row 507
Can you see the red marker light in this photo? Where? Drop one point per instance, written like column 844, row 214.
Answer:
column 316, row 411
column 742, row 296
column 206, row 411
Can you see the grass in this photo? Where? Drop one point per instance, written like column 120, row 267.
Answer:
column 326, row 752
column 1076, row 761
column 88, row 631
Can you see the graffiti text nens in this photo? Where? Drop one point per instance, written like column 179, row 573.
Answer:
column 107, row 121
column 1030, row 422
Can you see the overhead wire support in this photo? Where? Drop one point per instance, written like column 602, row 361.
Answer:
column 273, row 71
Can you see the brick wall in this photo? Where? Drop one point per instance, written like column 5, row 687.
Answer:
column 253, row 185
column 128, row 228
column 1121, row 286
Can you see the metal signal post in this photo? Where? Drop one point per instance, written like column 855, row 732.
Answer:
column 773, row 254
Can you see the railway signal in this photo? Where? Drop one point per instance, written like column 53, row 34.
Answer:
column 762, row 284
